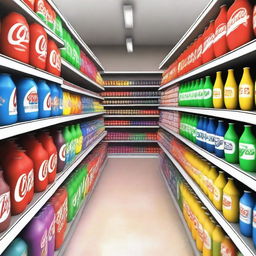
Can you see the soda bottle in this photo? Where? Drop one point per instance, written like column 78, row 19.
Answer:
column 80, row 139
column 204, row 134
column 200, row 95
column 208, row 229
column 68, row 140
column 230, row 204
column 246, row 205
column 14, row 38
column 51, row 149
column 5, row 204
column 217, row 237
column 53, row 60
column 27, row 99
column 74, row 140
column 254, row 225
column 239, row 25
column 36, row 236
column 44, row 99
column 199, row 132
column 218, row 98
column 247, row 150
column 60, row 144
column 17, row 247
column 58, row 27
column 208, row 88
column 55, row 99
column 8, row 102
column 60, row 101
column 219, row 185
column 208, row 39
column 231, row 140
column 37, row 46
column 219, row 139
column 40, row 9
column 40, row 157
column 231, row 91
column 211, row 131
column 211, row 178
column 246, row 91
column 220, row 25
column 227, row 247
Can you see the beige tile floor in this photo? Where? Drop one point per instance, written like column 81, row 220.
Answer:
column 130, row 214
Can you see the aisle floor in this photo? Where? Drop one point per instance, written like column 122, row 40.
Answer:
column 130, row 214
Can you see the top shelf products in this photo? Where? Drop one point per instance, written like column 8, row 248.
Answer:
column 131, row 82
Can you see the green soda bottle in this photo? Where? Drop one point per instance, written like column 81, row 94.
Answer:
column 247, row 150
column 58, row 27
column 71, row 191
column 69, row 48
column 78, row 57
column 196, row 104
column 80, row 138
column 68, row 138
column 186, row 89
column 231, row 141
column 208, row 89
column 63, row 51
column 201, row 93
column 75, row 138
column 194, row 126
column 190, row 127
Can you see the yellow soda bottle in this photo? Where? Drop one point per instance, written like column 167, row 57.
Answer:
column 218, row 89
column 208, row 229
column 230, row 203
column 200, row 233
column 218, row 187
column 246, row 91
column 231, row 91
column 217, row 238
column 211, row 178
column 193, row 206
column 65, row 103
column 205, row 170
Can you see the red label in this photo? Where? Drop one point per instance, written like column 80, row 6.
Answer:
column 32, row 98
column 4, row 206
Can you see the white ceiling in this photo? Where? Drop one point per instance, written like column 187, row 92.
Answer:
column 156, row 22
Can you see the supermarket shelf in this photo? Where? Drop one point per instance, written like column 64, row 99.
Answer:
column 77, row 89
column 135, row 97
column 133, row 155
column 76, row 36
column 23, row 127
column 131, row 105
column 245, row 245
column 20, row 7
column 237, row 115
column 16, row 67
column 223, row 62
column 247, row 178
column 131, row 116
column 190, row 238
column 131, row 141
column 133, row 126
column 155, row 72
column 210, row 12
column 72, row 226
column 131, row 86
column 76, row 76
column 20, row 221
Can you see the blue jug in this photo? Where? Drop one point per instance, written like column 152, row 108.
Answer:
column 55, row 99
column 199, row 132
column 8, row 101
column 60, row 100
column 204, row 134
column 44, row 99
column 246, row 205
column 27, row 99
column 219, row 139
column 210, row 142
column 18, row 247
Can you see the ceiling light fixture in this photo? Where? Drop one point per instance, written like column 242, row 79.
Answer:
column 128, row 16
column 129, row 44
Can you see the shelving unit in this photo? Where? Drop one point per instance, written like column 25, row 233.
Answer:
column 244, row 244
column 70, row 73
column 236, row 115
column 72, row 226
column 13, row 66
column 23, row 127
column 20, row 7
column 191, row 240
column 20, row 221
column 76, row 36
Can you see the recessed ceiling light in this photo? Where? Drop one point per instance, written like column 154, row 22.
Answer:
column 129, row 44
column 128, row 16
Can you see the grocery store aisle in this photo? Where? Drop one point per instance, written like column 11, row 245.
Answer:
column 130, row 213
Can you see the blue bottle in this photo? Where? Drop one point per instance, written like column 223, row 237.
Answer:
column 204, row 133
column 44, row 99
column 18, row 247
column 219, row 139
column 55, row 99
column 254, row 225
column 211, row 129
column 246, row 205
column 60, row 101
column 27, row 99
column 8, row 101
column 199, row 131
